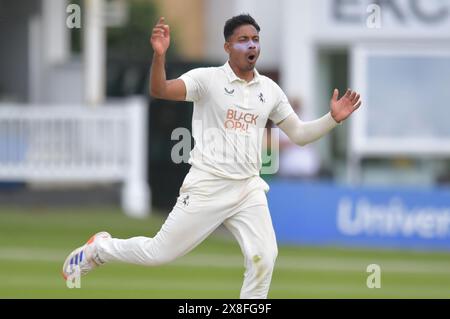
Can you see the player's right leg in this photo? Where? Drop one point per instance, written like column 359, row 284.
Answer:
column 182, row 231
column 193, row 218
column 196, row 214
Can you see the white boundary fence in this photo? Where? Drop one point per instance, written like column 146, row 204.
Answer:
column 78, row 144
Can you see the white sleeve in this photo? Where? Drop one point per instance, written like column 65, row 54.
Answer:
column 196, row 82
column 302, row 133
column 282, row 108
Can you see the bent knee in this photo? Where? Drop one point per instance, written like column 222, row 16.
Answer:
column 264, row 263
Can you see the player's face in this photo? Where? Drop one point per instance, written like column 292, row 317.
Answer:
column 243, row 47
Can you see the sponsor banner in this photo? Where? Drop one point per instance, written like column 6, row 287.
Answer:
column 326, row 214
column 384, row 19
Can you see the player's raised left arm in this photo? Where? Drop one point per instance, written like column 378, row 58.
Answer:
column 302, row 133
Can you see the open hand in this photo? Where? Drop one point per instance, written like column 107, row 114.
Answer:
column 343, row 107
column 160, row 38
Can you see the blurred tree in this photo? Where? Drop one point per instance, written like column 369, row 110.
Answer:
column 128, row 48
column 132, row 39
column 129, row 51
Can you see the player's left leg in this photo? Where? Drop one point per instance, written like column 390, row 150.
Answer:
column 252, row 226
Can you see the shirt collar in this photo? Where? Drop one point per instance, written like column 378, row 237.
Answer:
column 233, row 77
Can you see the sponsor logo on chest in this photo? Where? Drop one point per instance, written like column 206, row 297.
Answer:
column 239, row 120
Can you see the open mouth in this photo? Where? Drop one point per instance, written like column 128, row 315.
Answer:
column 251, row 58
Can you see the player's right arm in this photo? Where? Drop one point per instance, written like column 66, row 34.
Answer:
column 160, row 87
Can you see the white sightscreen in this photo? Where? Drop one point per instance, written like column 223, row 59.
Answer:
column 406, row 94
column 415, row 88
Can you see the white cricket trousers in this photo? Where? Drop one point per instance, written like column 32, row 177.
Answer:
column 205, row 202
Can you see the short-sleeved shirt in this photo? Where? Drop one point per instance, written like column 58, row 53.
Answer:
column 229, row 118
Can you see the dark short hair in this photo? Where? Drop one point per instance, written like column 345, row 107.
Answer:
column 237, row 21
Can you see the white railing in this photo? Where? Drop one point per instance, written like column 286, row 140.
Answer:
column 78, row 144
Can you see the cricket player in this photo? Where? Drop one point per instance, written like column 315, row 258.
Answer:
column 232, row 104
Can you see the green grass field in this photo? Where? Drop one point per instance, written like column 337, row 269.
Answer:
column 34, row 243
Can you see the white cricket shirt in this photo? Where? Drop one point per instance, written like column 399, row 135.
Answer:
column 229, row 119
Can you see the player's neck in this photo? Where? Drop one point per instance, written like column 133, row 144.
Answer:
column 244, row 75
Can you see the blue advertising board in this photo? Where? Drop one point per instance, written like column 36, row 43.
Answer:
column 327, row 214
